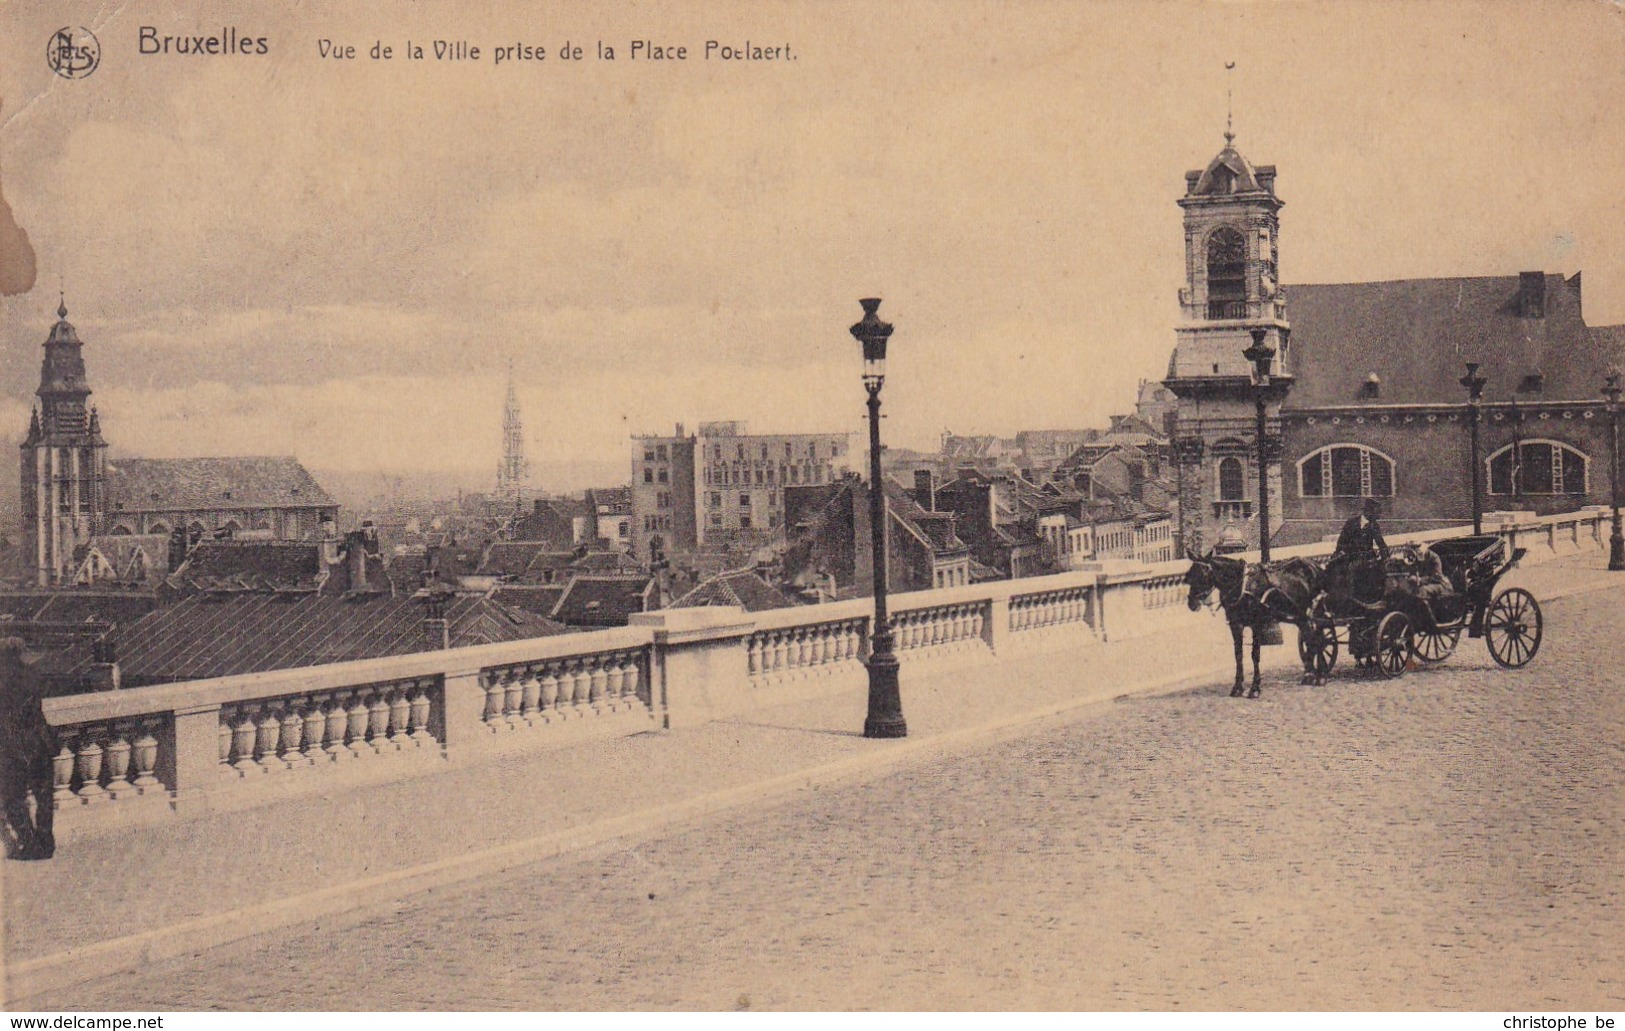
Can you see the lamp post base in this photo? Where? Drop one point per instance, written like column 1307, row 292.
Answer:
column 1616, row 553
column 885, row 700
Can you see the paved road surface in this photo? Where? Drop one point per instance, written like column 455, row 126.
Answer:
column 1450, row 840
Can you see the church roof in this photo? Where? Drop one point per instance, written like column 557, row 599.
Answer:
column 198, row 484
column 1415, row 335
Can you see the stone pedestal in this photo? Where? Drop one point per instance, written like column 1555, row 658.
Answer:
column 701, row 669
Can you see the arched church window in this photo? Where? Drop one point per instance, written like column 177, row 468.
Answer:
column 1346, row 471
column 1232, row 482
column 1545, row 467
column 1226, row 274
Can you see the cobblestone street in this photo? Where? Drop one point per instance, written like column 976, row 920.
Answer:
column 1449, row 840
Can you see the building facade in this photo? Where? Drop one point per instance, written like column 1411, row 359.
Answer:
column 1369, row 402
column 723, row 485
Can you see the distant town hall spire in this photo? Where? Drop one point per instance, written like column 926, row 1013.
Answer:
column 513, row 475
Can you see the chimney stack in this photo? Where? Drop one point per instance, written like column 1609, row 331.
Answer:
column 355, row 556
column 1532, row 295
column 925, row 489
column 104, row 671
column 435, row 625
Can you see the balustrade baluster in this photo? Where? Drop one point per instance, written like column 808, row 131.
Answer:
column 614, row 680
column 631, row 670
column 144, row 756
column 753, row 655
column 419, row 710
column 400, row 715
column 88, row 766
column 378, row 718
column 511, row 695
column 243, row 733
column 335, row 720
column 530, row 692
column 781, row 644
column 62, row 771
column 803, row 648
column 549, row 684
column 117, row 760
column 595, row 682
column 268, row 731
column 310, row 742
column 581, row 682
column 355, row 724
column 493, row 698
column 293, row 732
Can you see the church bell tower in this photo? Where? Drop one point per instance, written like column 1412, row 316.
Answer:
column 1232, row 288
column 64, row 461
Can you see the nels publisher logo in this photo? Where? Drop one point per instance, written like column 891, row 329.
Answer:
column 73, row 53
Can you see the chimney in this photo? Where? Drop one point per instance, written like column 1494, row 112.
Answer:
column 925, row 489
column 1532, row 295
column 679, row 432
column 436, row 628
column 355, row 555
column 104, row 671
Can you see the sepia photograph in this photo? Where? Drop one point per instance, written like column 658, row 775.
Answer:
column 791, row 507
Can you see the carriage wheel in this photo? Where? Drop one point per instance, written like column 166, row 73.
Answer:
column 1317, row 647
column 1436, row 645
column 1395, row 642
column 1512, row 627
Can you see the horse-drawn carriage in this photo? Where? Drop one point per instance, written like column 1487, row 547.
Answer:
column 1393, row 613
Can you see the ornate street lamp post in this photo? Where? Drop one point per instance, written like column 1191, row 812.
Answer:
column 1616, row 541
column 885, row 701
column 1475, row 394
column 1261, row 355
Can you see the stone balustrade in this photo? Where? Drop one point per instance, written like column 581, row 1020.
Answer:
column 177, row 747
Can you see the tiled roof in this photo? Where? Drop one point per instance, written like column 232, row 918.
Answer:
column 742, row 587
column 605, row 562
column 511, row 558
column 73, row 605
column 1416, row 333
column 613, row 500
column 542, row 599
column 225, row 634
column 602, row 600
column 256, row 565
column 192, row 484
column 135, row 557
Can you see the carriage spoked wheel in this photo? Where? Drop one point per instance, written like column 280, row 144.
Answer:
column 1396, row 640
column 1512, row 627
column 1436, row 645
column 1317, row 647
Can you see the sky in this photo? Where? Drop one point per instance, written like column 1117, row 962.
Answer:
column 338, row 259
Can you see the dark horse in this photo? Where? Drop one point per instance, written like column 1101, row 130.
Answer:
column 1253, row 596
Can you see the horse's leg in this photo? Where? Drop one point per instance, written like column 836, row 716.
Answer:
column 1235, row 638
column 1257, row 647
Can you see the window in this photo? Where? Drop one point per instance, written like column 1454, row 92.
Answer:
column 744, row 522
column 716, row 518
column 744, row 501
column 664, row 476
column 648, row 475
column 1346, row 471
column 1538, row 467
column 1226, row 274
column 648, row 454
column 1232, row 481
column 660, row 452
column 758, row 476
column 716, row 499
column 787, row 453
